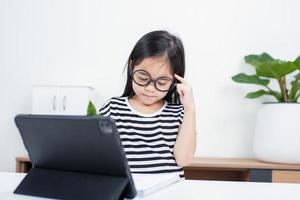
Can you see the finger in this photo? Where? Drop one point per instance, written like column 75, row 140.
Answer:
column 180, row 89
column 180, row 92
column 179, row 78
column 184, row 87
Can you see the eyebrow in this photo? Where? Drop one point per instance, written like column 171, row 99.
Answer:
column 163, row 76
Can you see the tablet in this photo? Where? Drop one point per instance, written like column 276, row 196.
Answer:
column 74, row 157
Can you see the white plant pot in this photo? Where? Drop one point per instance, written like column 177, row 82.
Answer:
column 277, row 133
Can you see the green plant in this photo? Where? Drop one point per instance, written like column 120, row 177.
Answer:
column 267, row 68
column 91, row 109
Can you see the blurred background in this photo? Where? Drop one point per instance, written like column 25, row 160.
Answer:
column 87, row 42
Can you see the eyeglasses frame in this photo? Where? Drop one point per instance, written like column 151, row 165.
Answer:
column 153, row 80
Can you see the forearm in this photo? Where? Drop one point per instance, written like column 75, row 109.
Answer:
column 185, row 146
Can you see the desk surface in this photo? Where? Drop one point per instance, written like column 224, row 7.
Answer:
column 233, row 163
column 186, row 189
column 242, row 163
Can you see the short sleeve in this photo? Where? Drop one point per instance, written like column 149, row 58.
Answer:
column 105, row 109
column 181, row 113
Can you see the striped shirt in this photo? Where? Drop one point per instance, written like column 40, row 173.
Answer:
column 148, row 139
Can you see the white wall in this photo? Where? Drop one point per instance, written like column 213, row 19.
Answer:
column 87, row 42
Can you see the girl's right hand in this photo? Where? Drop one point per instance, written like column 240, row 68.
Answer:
column 185, row 92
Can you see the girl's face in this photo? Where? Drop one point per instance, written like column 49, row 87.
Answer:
column 156, row 67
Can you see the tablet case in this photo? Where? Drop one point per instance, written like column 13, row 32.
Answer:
column 74, row 157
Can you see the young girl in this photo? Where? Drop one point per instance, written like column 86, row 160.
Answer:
column 157, row 131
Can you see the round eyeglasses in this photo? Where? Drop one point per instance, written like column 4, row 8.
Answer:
column 143, row 78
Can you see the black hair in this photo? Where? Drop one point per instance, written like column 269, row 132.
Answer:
column 157, row 43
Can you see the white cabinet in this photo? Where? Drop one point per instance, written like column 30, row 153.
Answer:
column 61, row 100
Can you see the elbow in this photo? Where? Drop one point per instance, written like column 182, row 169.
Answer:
column 184, row 161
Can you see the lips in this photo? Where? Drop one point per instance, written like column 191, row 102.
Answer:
column 149, row 96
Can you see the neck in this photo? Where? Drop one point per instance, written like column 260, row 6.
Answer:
column 145, row 108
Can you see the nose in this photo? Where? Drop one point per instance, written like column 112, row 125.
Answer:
column 150, row 87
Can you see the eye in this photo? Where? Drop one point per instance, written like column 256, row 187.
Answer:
column 143, row 77
column 164, row 81
column 141, row 73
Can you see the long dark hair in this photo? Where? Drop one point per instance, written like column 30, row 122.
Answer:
column 157, row 43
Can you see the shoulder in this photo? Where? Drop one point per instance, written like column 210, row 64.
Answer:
column 118, row 100
column 175, row 107
column 113, row 101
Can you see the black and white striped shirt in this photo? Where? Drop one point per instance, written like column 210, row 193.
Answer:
column 148, row 139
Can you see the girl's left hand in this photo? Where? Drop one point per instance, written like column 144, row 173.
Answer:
column 185, row 93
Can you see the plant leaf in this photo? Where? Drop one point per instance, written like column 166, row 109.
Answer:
column 295, row 86
column 259, row 93
column 276, row 94
column 297, row 96
column 256, row 94
column 297, row 62
column 91, row 110
column 297, row 77
column 258, row 59
column 250, row 79
column 267, row 66
column 294, row 89
column 276, row 69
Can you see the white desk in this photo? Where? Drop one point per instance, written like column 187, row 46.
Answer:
column 186, row 189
